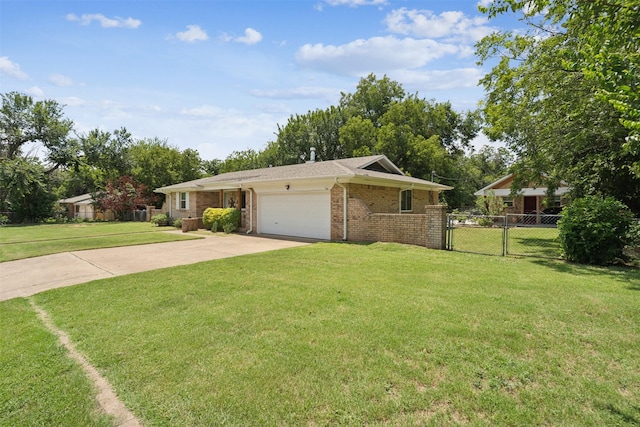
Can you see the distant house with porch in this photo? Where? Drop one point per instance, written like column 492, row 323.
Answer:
column 81, row 207
column 528, row 200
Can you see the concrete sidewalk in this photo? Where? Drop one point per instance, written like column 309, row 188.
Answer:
column 27, row 277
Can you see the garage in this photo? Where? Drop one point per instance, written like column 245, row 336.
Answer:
column 305, row 214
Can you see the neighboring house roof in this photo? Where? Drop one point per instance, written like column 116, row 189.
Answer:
column 528, row 191
column 373, row 170
column 83, row 199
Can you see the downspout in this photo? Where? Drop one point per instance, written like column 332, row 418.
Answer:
column 250, row 230
column 344, row 210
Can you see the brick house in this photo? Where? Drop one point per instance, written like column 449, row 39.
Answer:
column 356, row 199
column 528, row 200
column 81, row 207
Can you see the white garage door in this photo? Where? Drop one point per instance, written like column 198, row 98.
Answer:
column 295, row 214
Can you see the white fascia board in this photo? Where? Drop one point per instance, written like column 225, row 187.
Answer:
column 294, row 185
column 390, row 182
column 506, row 192
column 481, row 192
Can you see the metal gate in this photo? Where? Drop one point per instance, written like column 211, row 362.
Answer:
column 517, row 235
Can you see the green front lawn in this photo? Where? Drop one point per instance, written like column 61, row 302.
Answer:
column 345, row 334
column 39, row 384
column 26, row 241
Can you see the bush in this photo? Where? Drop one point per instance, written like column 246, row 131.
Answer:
column 594, row 230
column 162, row 220
column 214, row 218
column 178, row 223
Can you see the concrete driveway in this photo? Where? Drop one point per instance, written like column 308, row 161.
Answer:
column 27, row 277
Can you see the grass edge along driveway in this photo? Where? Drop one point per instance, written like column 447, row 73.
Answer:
column 379, row 334
column 27, row 241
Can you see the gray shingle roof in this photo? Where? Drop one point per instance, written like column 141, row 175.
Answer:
column 76, row 199
column 351, row 168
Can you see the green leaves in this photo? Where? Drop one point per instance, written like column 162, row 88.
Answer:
column 564, row 95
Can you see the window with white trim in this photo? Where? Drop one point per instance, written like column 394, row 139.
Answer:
column 182, row 201
column 406, row 200
column 508, row 201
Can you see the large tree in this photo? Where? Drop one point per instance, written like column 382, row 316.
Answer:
column 564, row 95
column 156, row 163
column 35, row 125
column 418, row 135
column 34, row 143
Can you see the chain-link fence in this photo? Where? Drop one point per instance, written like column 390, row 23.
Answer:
column 520, row 235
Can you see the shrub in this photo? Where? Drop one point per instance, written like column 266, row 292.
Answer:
column 214, row 218
column 178, row 223
column 489, row 205
column 162, row 220
column 595, row 230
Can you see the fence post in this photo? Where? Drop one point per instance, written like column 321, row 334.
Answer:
column 448, row 232
column 505, row 235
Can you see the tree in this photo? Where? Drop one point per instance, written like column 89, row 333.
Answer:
column 157, row 164
column 103, row 156
column 23, row 122
column 564, row 95
column 379, row 118
column 122, row 196
column 243, row 160
column 372, row 99
column 24, row 189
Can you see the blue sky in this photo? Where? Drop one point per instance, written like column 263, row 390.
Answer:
column 219, row 76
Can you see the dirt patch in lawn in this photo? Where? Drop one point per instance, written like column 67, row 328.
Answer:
column 106, row 396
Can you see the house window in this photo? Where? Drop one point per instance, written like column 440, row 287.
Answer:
column 508, row 202
column 406, row 199
column 243, row 204
column 557, row 201
column 183, row 201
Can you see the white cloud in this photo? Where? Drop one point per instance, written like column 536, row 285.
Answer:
column 11, row 69
column 193, row 34
column 452, row 25
column 458, row 78
column 250, row 37
column 60, row 80
column 377, row 54
column 105, row 22
column 484, row 2
column 35, row 91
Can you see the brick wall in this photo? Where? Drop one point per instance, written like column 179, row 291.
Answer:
column 337, row 213
column 428, row 229
column 377, row 199
column 436, row 224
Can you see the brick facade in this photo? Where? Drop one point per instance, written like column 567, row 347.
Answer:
column 372, row 215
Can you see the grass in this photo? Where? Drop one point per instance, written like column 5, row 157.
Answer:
column 18, row 242
column 379, row 334
column 39, row 384
column 532, row 241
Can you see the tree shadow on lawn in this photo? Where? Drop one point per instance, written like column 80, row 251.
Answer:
column 548, row 248
column 626, row 274
column 624, row 416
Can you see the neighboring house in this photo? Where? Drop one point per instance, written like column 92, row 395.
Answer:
column 357, row 199
column 528, row 200
column 82, row 207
